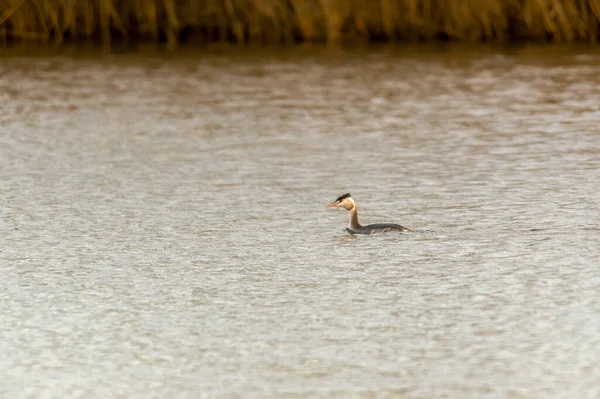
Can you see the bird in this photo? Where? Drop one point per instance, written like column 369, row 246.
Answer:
column 354, row 227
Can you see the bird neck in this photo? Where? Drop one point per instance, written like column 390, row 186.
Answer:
column 354, row 225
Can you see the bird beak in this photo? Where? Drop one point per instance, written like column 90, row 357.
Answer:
column 332, row 204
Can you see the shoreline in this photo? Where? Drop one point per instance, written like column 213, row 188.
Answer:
column 286, row 22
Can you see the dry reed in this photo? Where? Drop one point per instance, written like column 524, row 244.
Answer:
column 287, row 21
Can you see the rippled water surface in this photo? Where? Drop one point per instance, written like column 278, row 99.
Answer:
column 162, row 229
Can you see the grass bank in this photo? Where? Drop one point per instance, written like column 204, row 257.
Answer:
column 293, row 21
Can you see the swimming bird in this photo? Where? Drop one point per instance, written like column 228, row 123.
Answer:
column 345, row 201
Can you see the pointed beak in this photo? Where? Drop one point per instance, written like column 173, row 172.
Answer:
column 331, row 205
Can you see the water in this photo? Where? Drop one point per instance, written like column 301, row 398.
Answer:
column 163, row 234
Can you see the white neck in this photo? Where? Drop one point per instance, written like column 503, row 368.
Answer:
column 353, row 222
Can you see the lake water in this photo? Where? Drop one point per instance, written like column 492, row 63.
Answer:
column 163, row 231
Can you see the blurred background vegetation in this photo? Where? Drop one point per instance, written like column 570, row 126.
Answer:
column 293, row 21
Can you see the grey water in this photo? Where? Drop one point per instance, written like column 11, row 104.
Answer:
column 163, row 231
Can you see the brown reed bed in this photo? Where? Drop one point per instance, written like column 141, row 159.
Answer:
column 292, row 21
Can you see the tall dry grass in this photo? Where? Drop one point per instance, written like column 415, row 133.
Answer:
column 286, row 21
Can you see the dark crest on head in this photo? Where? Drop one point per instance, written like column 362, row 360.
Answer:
column 341, row 197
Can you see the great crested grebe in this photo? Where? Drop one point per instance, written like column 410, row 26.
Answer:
column 345, row 201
